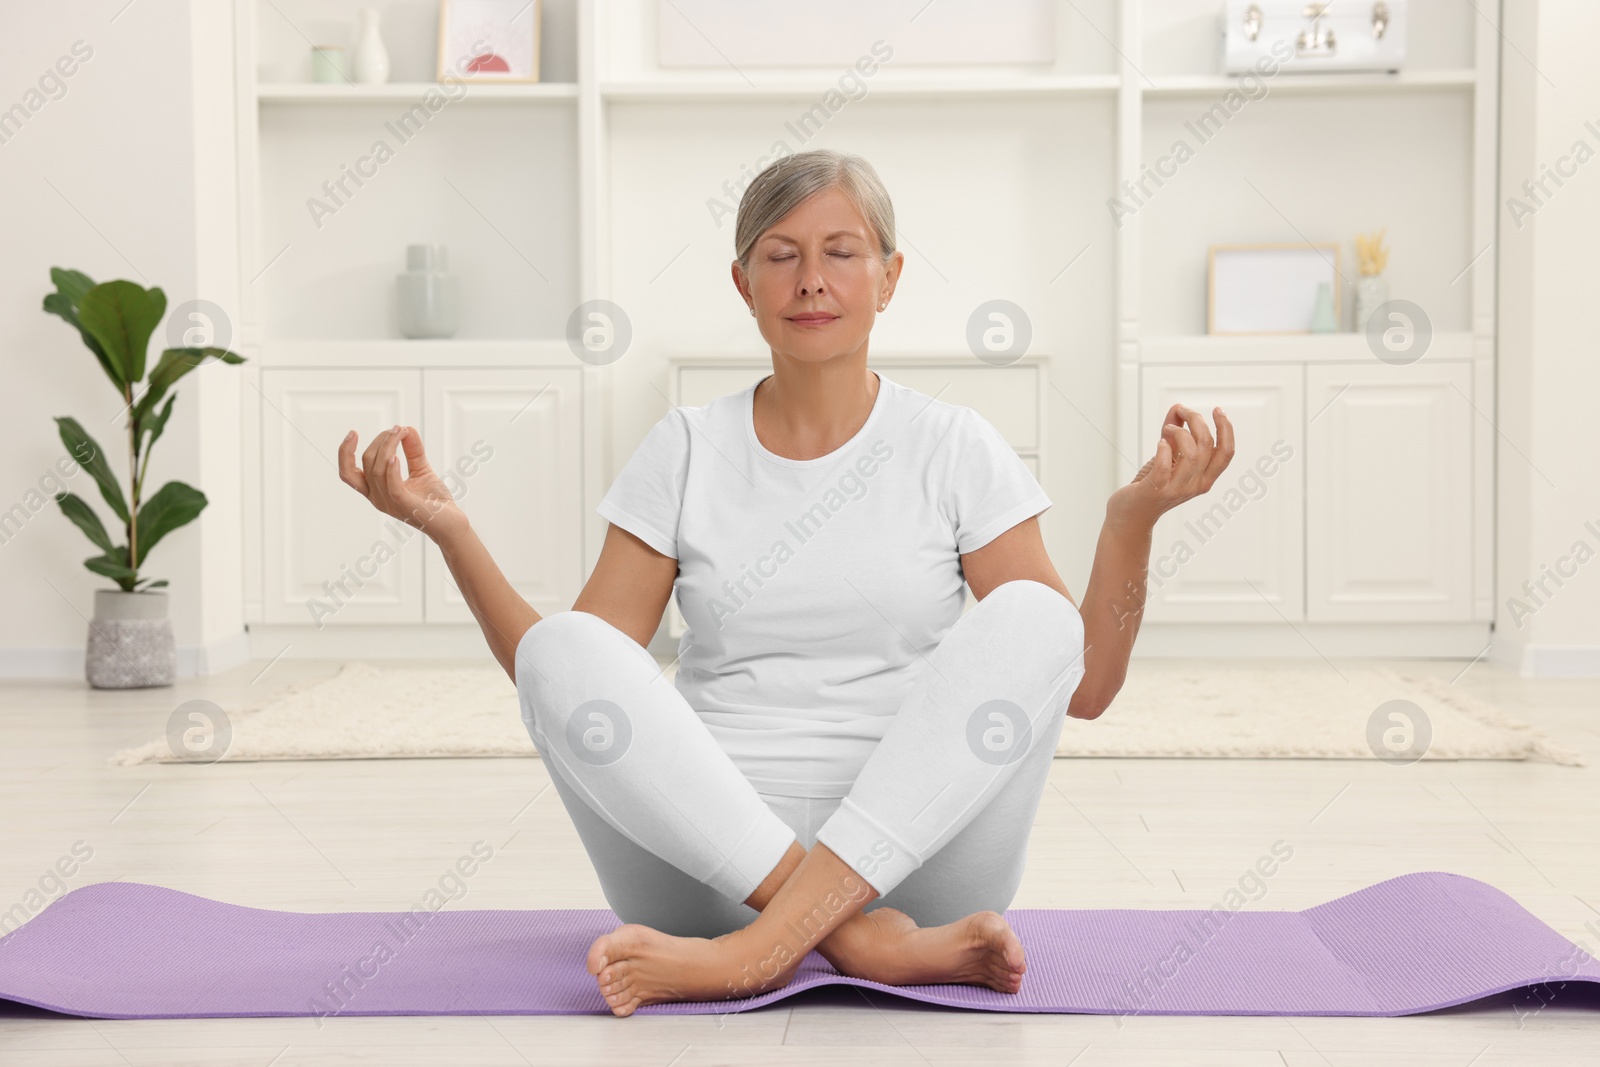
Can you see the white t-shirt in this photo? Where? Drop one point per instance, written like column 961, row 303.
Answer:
column 813, row 589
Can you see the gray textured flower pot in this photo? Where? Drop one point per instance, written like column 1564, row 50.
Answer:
column 130, row 641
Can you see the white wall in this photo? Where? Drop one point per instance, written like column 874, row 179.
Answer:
column 109, row 173
column 1549, row 356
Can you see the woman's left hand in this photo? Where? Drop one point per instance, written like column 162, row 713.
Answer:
column 1187, row 462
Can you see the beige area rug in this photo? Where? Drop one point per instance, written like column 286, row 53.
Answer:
column 1292, row 711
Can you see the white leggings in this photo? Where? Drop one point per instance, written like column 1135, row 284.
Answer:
column 937, row 821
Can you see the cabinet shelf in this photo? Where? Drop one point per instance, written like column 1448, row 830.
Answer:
column 447, row 352
column 728, row 89
column 1182, row 85
column 1343, row 347
column 320, row 93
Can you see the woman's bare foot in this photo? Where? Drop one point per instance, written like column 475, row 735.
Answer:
column 886, row 946
column 637, row 965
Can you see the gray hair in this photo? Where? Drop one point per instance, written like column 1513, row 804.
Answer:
column 790, row 179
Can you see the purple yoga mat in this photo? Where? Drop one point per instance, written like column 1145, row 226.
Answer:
column 1414, row 943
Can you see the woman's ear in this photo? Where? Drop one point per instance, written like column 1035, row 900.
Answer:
column 740, row 282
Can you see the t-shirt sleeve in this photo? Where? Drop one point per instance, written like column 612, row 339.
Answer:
column 989, row 488
column 648, row 492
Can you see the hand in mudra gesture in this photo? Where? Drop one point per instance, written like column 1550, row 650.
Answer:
column 1187, row 463
column 420, row 498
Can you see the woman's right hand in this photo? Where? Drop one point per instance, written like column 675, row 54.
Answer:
column 420, row 499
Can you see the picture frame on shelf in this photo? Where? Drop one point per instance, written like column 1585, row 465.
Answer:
column 1267, row 288
column 490, row 40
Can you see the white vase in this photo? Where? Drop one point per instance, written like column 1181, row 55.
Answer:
column 371, row 58
column 430, row 296
column 1323, row 317
column 1371, row 290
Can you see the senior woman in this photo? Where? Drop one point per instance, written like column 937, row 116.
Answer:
column 844, row 762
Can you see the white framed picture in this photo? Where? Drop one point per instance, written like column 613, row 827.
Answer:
column 1267, row 288
column 489, row 40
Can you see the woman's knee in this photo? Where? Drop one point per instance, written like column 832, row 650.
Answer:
column 560, row 633
column 1035, row 598
column 565, row 659
column 1044, row 622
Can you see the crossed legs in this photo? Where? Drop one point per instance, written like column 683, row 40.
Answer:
column 724, row 890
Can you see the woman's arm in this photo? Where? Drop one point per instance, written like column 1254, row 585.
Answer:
column 422, row 499
column 1121, row 561
column 502, row 614
column 1113, row 601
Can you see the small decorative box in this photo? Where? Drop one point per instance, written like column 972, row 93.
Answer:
column 1301, row 37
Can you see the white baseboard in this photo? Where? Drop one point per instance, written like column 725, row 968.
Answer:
column 1309, row 640
column 40, row 663
column 1461, row 641
column 194, row 661
column 375, row 641
column 1548, row 661
column 1158, row 640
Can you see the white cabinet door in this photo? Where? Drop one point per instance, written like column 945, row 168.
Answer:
column 330, row 556
column 1389, row 492
column 509, row 443
column 1235, row 554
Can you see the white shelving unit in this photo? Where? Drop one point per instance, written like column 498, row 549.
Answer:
column 616, row 179
column 1376, row 536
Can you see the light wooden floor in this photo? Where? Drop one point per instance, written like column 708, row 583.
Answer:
column 371, row 835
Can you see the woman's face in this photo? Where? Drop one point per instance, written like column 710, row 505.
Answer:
column 816, row 279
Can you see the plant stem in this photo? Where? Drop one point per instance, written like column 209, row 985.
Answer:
column 133, row 480
column 144, row 468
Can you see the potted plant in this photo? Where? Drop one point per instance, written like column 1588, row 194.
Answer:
column 130, row 639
